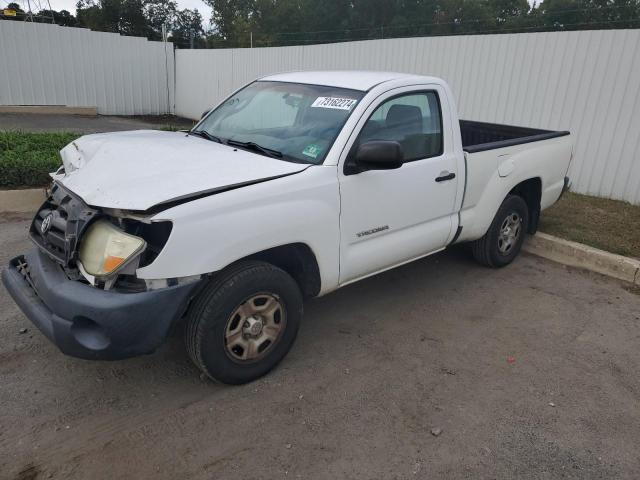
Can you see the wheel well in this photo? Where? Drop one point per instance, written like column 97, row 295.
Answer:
column 531, row 192
column 298, row 260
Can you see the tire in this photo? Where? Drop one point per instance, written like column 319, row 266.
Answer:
column 497, row 248
column 222, row 336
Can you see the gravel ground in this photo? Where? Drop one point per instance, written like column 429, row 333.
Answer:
column 530, row 372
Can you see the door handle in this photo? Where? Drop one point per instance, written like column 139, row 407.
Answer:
column 444, row 176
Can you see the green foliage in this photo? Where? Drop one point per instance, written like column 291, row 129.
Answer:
column 63, row 17
column 288, row 22
column 27, row 158
column 126, row 17
column 143, row 18
column 159, row 12
column 186, row 31
column 261, row 23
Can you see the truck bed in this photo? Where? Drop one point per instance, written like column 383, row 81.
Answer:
column 480, row 136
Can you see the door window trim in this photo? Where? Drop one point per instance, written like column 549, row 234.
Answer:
column 387, row 99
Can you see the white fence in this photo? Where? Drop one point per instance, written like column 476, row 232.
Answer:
column 51, row 65
column 587, row 82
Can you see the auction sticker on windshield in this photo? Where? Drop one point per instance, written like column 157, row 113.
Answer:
column 334, row 102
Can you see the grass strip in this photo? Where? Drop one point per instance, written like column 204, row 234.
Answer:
column 609, row 225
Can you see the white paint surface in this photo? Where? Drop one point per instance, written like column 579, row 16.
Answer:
column 139, row 169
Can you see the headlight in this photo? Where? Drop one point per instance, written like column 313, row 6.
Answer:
column 105, row 248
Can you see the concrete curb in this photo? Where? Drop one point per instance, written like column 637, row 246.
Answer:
column 22, row 201
column 579, row 255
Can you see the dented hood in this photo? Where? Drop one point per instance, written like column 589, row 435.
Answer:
column 140, row 169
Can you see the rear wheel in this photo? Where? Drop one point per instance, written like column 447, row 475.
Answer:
column 503, row 241
column 244, row 322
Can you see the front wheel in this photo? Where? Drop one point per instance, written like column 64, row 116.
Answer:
column 244, row 322
column 503, row 241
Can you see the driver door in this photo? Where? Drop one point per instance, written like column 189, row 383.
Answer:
column 389, row 217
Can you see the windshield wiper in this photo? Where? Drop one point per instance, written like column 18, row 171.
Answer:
column 205, row 134
column 256, row 148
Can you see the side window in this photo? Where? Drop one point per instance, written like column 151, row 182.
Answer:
column 413, row 120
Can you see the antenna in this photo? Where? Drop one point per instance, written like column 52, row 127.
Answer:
column 29, row 15
column 37, row 4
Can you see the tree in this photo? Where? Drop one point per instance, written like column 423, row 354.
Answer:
column 577, row 14
column 143, row 18
column 232, row 20
column 63, row 17
column 132, row 19
column 241, row 23
column 119, row 16
column 158, row 13
column 282, row 22
column 187, row 31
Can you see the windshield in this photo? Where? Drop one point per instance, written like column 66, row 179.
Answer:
column 291, row 121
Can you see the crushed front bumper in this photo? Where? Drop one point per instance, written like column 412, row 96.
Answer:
column 89, row 323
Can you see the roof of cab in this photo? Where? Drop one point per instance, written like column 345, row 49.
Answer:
column 352, row 79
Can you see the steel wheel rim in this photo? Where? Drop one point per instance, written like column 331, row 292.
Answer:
column 510, row 232
column 254, row 328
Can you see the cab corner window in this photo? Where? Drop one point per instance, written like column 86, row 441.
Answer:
column 413, row 120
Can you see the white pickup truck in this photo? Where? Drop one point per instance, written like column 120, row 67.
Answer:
column 295, row 185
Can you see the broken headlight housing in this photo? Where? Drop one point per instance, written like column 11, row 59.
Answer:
column 105, row 249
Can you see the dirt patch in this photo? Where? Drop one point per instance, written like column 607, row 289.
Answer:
column 10, row 217
column 635, row 289
column 29, row 472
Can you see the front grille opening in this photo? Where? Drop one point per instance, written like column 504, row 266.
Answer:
column 68, row 217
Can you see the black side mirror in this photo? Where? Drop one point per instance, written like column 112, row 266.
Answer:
column 376, row 155
column 204, row 114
